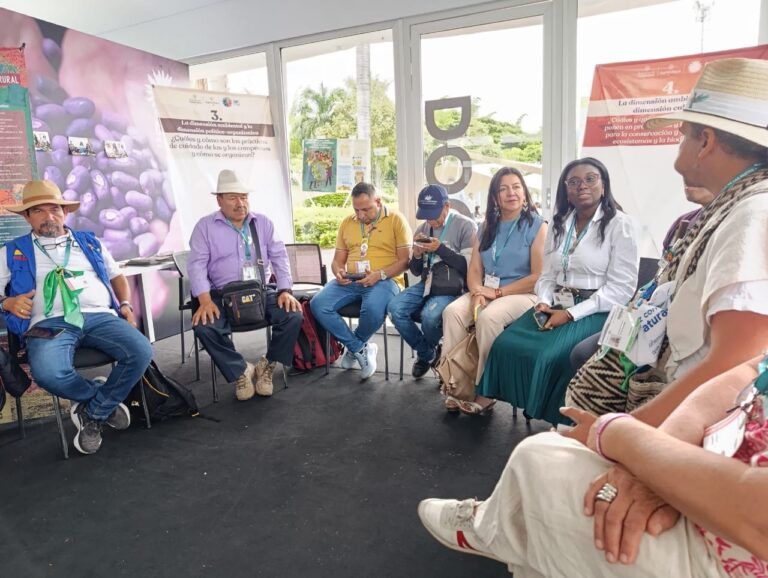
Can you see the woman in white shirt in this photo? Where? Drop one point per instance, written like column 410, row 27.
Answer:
column 590, row 264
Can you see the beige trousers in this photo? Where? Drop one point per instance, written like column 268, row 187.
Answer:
column 534, row 521
column 491, row 321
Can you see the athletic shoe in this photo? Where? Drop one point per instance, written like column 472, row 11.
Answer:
column 420, row 368
column 244, row 389
column 367, row 360
column 264, row 370
column 348, row 360
column 451, row 522
column 88, row 437
column 120, row 418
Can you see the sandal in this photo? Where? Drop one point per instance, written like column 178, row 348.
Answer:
column 474, row 408
column 451, row 404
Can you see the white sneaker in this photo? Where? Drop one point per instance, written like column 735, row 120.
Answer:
column 348, row 360
column 451, row 522
column 367, row 360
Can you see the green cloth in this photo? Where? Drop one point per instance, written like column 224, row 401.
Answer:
column 56, row 280
column 531, row 369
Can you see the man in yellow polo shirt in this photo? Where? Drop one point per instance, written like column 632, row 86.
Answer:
column 373, row 248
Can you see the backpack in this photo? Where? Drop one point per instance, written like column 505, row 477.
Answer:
column 309, row 350
column 166, row 397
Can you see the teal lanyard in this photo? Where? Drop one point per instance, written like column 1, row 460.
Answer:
column 363, row 235
column 497, row 252
column 442, row 235
column 761, row 383
column 67, row 252
column 243, row 232
column 566, row 256
column 746, row 172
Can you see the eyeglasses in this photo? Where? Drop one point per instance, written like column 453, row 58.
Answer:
column 590, row 180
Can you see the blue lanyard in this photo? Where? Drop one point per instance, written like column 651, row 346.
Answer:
column 243, row 232
column 497, row 252
column 566, row 256
column 442, row 235
column 761, row 383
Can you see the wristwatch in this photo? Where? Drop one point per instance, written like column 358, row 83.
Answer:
column 126, row 304
column 383, row 275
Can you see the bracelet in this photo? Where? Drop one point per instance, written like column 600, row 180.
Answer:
column 601, row 428
column 498, row 292
column 286, row 290
column 126, row 304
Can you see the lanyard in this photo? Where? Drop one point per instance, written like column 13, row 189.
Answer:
column 497, row 252
column 243, row 232
column 761, row 383
column 67, row 252
column 567, row 249
column 742, row 174
column 365, row 236
column 442, row 235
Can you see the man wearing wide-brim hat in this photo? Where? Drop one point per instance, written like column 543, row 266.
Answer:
column 61, row 290
column 223, row 250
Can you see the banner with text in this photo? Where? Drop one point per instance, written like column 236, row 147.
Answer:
column 206, row 132
column 643, row 179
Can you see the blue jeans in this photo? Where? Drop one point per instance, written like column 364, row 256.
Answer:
column 411, row 301
column 51, row 360
column 373, row 310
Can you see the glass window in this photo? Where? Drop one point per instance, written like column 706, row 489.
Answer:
column 340, row 103
column 493, row 74
column 241, row 75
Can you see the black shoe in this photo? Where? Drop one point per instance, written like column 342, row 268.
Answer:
column 88, row 436
column 420, row 368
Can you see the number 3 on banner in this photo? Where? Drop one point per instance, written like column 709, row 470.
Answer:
column 669, row 88
column 215, row 114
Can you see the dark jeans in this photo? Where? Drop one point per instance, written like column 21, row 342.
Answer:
column 51, row 360
column 217, row 340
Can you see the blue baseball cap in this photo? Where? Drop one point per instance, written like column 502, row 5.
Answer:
column 432, row 198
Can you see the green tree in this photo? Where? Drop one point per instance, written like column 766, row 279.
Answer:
column 311, row 112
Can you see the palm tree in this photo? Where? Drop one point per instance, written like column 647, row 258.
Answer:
column 313, row 110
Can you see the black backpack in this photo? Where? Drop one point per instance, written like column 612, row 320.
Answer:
column 166, row 397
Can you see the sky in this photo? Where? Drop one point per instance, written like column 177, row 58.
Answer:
column 504, row 67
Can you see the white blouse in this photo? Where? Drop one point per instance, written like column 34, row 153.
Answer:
column 610, row 267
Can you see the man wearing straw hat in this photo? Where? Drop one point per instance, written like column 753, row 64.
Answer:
column 67, row 288
column 222, row 251
column 717, row 319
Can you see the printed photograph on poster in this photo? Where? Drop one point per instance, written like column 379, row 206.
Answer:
column 80, row 147
column 353, row 163
column 319, row 166
column 115, row 149
column 42, row 141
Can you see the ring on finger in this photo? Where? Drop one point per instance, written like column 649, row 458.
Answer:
column 607, row 493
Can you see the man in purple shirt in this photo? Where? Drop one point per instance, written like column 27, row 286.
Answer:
column 222, row 251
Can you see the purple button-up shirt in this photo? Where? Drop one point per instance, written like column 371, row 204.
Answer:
column 217, row 253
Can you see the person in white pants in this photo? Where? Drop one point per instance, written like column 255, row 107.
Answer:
column 540, row 521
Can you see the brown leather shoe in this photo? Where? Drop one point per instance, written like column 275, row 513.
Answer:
column 244, row 384
column 264, row 370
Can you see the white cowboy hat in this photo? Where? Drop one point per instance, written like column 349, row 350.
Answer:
column 41, row 193
column 731, row 95
column 229, row 183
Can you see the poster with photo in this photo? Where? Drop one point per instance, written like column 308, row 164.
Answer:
column 80, row 147
column 42, row 141
column 319, row 166
column 353, row 163
column 115, row 149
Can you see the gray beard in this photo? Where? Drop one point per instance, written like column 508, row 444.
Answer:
column 50, row 230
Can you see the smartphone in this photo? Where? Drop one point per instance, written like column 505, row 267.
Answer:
column 422, row 240
column 541, row 318
column 43, row 332
column 354, row 276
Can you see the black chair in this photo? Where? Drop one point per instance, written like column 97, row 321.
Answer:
column 306, row 262
column 647, row 270
column 85, row 358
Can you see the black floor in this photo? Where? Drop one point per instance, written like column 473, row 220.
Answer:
column 320, row 480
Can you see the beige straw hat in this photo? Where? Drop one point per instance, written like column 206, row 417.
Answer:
column 731, row 95
column 229, row 183
column 41, row 193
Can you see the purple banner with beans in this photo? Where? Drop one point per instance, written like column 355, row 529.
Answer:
column 86, row 87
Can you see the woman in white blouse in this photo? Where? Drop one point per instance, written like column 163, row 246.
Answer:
column 590, row 264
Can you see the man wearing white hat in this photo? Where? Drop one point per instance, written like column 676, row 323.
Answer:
column 717, row 319
column 222, row 251
column 63, row 289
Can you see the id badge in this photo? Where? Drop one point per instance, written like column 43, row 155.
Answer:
column 620, row 330
column 564, row 299
column 363, row 266
column 725, row 437
column 249, row 272
column 492, row 281
column 76, row 283
column 428, row 284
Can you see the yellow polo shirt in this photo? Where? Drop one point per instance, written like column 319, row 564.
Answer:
column 390, row 233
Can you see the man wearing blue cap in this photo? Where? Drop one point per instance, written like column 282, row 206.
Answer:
column 442, row 247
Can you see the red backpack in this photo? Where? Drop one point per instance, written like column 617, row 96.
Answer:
column 309, row 350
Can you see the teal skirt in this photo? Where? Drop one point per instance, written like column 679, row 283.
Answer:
column 531, row 369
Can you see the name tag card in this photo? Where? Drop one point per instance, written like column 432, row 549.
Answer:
column 363, row 266
column 249, row 272
column 492, row 281
column 725, row 437
column 564, row 299
column 79, row 282
column 620, row 330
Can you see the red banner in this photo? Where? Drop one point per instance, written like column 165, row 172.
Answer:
column 12, row 67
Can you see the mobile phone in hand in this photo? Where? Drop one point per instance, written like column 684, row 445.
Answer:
column 422, row 240
column 354, row 276
column 541, row 318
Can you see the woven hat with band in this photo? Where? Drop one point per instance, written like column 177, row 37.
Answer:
column 229, row 183
column 731, row 95
column 41, row 193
